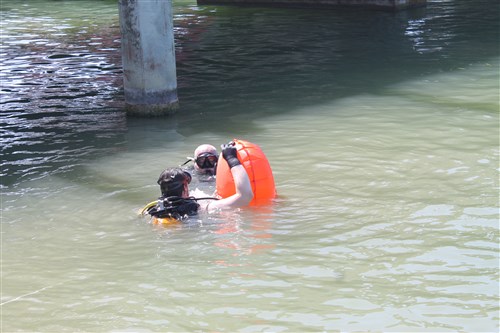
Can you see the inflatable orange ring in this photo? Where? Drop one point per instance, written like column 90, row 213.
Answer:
column 258, row 169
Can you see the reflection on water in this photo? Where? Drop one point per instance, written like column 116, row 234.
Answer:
column 60, row 71
column 381, row 128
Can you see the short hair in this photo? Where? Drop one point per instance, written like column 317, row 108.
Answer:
column 172, row 181
column 205, row 148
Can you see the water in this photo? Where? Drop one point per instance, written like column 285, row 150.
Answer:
column 382, row 130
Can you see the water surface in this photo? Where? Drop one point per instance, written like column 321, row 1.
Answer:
column 382, row 130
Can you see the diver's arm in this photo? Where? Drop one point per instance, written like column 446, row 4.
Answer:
column 244, row 193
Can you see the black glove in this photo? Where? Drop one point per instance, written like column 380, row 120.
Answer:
column 229, row 153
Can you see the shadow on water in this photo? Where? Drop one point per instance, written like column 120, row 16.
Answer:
column 271, row 61
column 61, row 81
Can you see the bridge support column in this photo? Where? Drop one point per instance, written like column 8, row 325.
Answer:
column 148, row 57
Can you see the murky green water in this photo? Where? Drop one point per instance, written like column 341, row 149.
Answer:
column 382, row 130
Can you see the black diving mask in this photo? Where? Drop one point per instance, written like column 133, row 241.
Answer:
column 206, row 161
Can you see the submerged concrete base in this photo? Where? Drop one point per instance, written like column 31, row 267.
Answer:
column 151, row 110
column 152, row 103
column 376, row 4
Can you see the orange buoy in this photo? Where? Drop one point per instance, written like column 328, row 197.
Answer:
column 258, row 169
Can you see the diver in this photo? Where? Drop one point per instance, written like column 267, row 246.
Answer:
column 176, row 203
column 205, row 161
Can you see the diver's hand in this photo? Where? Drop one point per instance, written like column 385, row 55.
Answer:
column 229, row 153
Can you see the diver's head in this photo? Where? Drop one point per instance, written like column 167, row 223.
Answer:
column 205, row 159
column 174, row 182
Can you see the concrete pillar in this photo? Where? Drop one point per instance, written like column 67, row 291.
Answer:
column 148, row 56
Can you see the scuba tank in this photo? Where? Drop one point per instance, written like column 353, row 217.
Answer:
column 172, row 207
